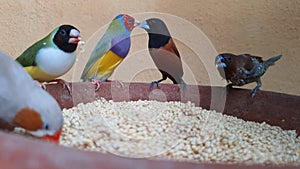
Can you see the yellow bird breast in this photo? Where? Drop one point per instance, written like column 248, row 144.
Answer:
column 105, row 66
column 38, row 74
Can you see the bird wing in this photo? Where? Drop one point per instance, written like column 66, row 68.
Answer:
column 249, row 56
column 167, row 59
column 170, row 46
column 102, row 47
column 28, row 57
column 249, row 65
column 245, row 61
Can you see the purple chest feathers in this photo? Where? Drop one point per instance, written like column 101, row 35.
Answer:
column 121, row 45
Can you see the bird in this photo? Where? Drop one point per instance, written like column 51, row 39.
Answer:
column 163, row 52
column 110, row 50
column 52, row 56
column 243, row 69
column 24, row 104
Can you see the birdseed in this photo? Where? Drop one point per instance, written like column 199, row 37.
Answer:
column 176, row 131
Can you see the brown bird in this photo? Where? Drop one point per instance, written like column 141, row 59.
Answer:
column 163, row 52
column 243, row 69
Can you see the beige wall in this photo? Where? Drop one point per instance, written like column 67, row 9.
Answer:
column 261, row 27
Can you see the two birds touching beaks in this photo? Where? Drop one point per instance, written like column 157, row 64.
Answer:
column 54, row 55
column 115, row 44
column 36, row 111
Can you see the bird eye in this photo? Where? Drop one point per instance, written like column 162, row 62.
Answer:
column 46, row 126
column 63, row 32
column 130, row 21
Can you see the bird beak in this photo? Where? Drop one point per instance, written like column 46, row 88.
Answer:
column 219, row 62
column 144, row 25
column 54, row 138
column 136, row 23
column 74, row 36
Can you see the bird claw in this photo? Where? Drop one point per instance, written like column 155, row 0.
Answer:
column 253, row 92
column 97, row 83
column 64, row 83
column 152, row 85
column 229, row 86
column 41, row 85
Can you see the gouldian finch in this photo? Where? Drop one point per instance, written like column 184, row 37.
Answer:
column 243, row 69
column 111, row 49
column 163, row 51
column 24, row 104
column 52, row 56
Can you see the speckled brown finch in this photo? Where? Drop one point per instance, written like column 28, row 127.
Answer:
column 243, row 69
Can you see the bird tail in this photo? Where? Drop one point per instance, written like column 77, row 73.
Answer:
column 271, row 61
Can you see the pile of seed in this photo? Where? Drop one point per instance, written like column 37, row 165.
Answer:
column 178, row 131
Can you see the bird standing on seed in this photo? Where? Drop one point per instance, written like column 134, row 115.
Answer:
column 24, row 104
column 52, row 56
column 163, row 51
column 243, row 69
column 110, row 51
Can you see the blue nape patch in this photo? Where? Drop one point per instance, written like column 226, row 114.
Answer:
column 121, row 45
column 119, row 16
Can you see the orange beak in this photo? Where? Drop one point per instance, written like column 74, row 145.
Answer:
column 54, row 138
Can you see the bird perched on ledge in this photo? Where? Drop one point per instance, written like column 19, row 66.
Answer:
column 24, row 104
column 163, row 52
column 243, row 69
column 52, row 56
column 110, row 51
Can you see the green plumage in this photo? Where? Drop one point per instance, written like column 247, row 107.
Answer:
column 28, row 57
column 115, row 29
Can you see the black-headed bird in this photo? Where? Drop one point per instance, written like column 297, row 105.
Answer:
column 52, row 56
column 163, row 52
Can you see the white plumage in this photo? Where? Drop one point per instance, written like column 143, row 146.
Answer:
column 54, row 61
column 18, row 90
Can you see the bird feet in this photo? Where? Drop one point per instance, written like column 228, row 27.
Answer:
column 97, row 84
column 64, row 83
column 41, row 85
column 152, row 85
column 253, row 93
column 229, row 86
